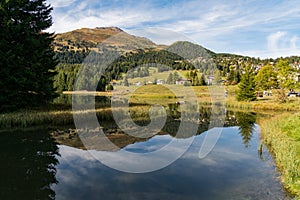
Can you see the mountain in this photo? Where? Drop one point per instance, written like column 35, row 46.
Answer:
column 72, row 49
column 87, row 39
column 190, row 50
column 74, row 46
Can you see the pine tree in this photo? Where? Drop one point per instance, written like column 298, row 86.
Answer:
column 246, row 91
column 202, row 80
column 60, row 82
column 170, row 79
column 175, row 77
column 101, row 84
column 125, row 81
column 26, row 55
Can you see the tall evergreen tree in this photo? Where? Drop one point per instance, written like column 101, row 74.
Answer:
column 246, row 91
column 202, row 80
column 170, row 79
column 26, row 55
column 125, row 81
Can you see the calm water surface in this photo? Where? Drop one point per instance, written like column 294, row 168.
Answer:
column 230, row 171
column 34, row 166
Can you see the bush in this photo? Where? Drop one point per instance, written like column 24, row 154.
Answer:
column 109, row 87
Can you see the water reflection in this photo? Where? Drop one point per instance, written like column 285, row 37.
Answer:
column 31, row 167
column 28, row 162
column 66, row 99
column 246, row 123
column 139, row 113
column 230, row 171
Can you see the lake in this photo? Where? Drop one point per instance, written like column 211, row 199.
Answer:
column 43, row 163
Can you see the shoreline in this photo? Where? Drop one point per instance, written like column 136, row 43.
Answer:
column 277, row 135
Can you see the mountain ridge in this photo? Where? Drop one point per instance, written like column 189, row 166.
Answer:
column 89, row 39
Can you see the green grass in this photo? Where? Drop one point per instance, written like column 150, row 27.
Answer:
column 34, row 117
column 161, row 94
column 50, row 118
column 158, row 75
column 281, row 134
column 153, row 75
column 149, row 94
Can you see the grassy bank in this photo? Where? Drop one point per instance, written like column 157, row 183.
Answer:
column 28, row 118
column 61, row 114
column 64, row 116
column 264, row 104
column 164, row 94
column 282, row 136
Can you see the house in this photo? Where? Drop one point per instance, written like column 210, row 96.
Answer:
column 181, row 81
column 160, row 82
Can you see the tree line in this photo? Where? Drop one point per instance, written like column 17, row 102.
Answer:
column 282, row 76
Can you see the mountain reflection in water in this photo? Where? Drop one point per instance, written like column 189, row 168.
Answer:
column 230, row 171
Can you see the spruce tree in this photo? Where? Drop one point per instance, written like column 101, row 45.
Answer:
column 202, row 80
column 125, row 81
column 170, row 79
column 26, row 55
column 246, row 91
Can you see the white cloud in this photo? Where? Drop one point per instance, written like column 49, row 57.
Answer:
column 282, row 44
column 213, row 24
column 293, row 41
column 61, row 3
column 274, row 39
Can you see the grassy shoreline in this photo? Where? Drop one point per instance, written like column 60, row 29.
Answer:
column 160, row 93
column 61, row 114
column 281, row 134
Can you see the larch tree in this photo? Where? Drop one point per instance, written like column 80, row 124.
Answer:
column 266, row 78
column 285, row 79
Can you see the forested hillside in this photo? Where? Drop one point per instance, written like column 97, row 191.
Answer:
column 125, row 52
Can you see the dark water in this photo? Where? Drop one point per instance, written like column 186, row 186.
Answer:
column 34, row 166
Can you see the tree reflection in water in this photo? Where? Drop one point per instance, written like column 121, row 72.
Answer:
column 28, row 160
column 246, row 123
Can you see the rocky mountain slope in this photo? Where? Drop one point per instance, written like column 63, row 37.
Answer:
column 87, row 39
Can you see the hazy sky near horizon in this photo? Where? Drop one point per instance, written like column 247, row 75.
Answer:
column 260, row 28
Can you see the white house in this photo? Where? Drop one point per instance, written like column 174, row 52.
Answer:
column 160, row 82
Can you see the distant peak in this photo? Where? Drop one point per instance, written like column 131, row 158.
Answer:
column 111, row 28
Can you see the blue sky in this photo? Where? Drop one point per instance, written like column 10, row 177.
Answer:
column 260, row 28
